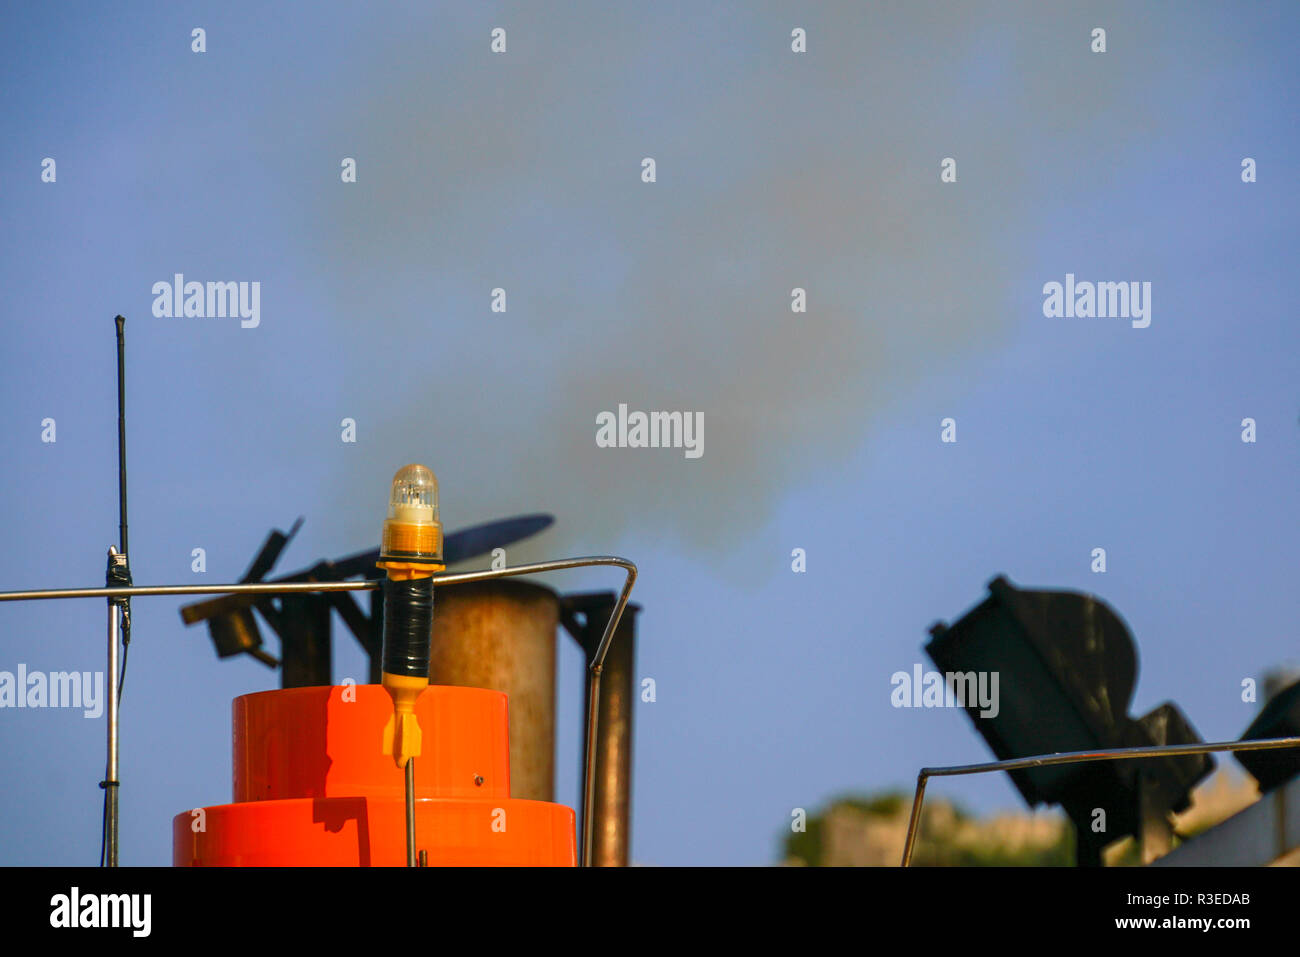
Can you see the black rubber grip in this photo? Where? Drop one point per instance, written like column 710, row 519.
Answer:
column 408, row 626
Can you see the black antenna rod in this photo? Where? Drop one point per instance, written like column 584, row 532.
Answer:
column 121, row 434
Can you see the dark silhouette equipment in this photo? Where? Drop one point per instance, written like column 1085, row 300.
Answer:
column 303, row 621
column 1067, row 667
column 1280, row 718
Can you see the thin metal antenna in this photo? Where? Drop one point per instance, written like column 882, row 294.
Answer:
column 110, row 784
column 121, row 436
column 118, row 573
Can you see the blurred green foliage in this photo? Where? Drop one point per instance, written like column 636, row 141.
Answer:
column 948, row 836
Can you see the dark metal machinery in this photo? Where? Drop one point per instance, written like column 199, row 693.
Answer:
column 1068, row 666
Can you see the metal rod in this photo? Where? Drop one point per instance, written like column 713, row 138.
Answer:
column 110, row 772
column 1075, row 757
column 410, row 812
column 144, row 591
column 595, row 666
column 279, row 588
column 121, row 433
column 589, row 767
column 111, row 784
column 912, row 821
column 610, row 792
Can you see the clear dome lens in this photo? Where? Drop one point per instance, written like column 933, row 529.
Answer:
column 412, row 531
column 414, row 496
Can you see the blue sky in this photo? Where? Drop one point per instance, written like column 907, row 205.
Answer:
column 774, row 170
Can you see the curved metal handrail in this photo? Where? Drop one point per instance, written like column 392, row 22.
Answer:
column 1074, row 757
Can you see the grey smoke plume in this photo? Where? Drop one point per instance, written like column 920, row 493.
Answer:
column 775, row 170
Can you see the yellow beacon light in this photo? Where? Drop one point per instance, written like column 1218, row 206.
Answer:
column 412, row 532
column 411, row 553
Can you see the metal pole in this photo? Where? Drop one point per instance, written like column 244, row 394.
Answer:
column 145, row 591
column 915, row 818
column 1075, row 757
column 410, row 812
column 121, row 432
column 611, row 791
column 119, row 572
column 593, row 714
column 110, row 773
column 589, row 768
column 288, row 588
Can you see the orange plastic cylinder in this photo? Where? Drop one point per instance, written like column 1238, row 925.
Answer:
column 325, row 742
column 313, row 787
